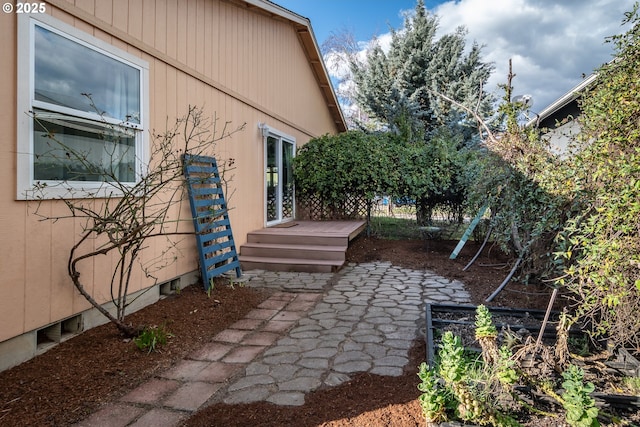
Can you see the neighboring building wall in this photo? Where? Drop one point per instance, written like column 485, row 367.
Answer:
column 563, row 138
column 559, row 121
column 561, row 128
column 235, row 61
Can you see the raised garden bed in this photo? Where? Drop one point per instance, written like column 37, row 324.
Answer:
column 460, row 319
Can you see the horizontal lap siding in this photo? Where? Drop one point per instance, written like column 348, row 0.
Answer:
column 13, row 218
column 257, row 59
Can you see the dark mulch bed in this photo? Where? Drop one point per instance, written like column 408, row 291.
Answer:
column 70, row 381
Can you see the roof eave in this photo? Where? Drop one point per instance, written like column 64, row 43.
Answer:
column 563, row 100
column 305, row 34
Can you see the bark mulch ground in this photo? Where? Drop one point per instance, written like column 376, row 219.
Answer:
column 72, row 380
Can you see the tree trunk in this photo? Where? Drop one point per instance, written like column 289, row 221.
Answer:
column 424, row 211
column 127, row 330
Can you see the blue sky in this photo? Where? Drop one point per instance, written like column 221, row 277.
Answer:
column 364, row 18
column 552, row 42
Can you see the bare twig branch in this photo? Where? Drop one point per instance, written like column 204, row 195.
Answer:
column 143, row 210
column 473, row 113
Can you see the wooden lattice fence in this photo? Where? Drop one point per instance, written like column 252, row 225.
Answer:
column 313, row 207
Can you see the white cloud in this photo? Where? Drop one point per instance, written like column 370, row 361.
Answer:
column 337, row 65
column 552, row 43
column 384, row 40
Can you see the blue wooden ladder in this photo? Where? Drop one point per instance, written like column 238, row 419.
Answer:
column 210, row 218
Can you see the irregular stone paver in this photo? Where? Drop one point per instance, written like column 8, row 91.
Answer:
column 336, row 378
column 300, row 384
column 248, row 395
column 287, row 398
column 251, row 381
column 352, row 367
column 366, row 321
column 389, row 371
column 316, row 329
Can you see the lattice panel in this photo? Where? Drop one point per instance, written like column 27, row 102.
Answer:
column 315, row 208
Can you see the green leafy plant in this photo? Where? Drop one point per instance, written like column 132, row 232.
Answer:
column 579, row 345
column 506, row 372
column 151, row 338
column 460, row 375
column 453, row 369
column 211, row 287
column 632, row 384
column 524, row 184
column 484, row 323
column 434, row 397
column 574, row 219
column 600, row 247
column 486, row 334
column 452, row 364
column 396, row 88
column 580, row 406
column 351, row 164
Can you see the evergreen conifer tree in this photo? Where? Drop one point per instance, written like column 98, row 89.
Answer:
column 400, row 89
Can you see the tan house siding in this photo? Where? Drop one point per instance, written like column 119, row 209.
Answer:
column 240, row 63
column 253, row 57
column 13, row 217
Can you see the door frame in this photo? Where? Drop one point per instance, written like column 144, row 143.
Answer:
column 281, row 137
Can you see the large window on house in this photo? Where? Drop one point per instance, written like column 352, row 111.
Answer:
column 81, row 112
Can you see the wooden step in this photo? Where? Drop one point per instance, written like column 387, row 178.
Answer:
column 317, row 252
column 307, row 246
column 290, row 237
column 289, row 264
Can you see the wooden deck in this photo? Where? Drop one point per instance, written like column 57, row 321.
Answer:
column 312, row 246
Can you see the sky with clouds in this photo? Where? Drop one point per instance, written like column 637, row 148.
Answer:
column 552, row 43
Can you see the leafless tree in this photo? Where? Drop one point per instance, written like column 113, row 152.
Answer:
column 123, row 221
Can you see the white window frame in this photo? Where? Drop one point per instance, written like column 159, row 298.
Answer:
column 26, row 105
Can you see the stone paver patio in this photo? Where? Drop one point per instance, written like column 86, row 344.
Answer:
column 315, row 329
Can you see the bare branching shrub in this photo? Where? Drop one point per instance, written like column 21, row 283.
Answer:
column 123, row 220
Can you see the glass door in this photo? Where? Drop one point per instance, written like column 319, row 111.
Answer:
column 272, row 179
column 287, row 181
column 280, row 195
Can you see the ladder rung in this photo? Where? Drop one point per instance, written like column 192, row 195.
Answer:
column 208, row 208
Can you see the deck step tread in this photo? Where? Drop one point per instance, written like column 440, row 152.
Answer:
column 294, row 232
column 330, row 248
column 274, row 260
column 297, row 239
